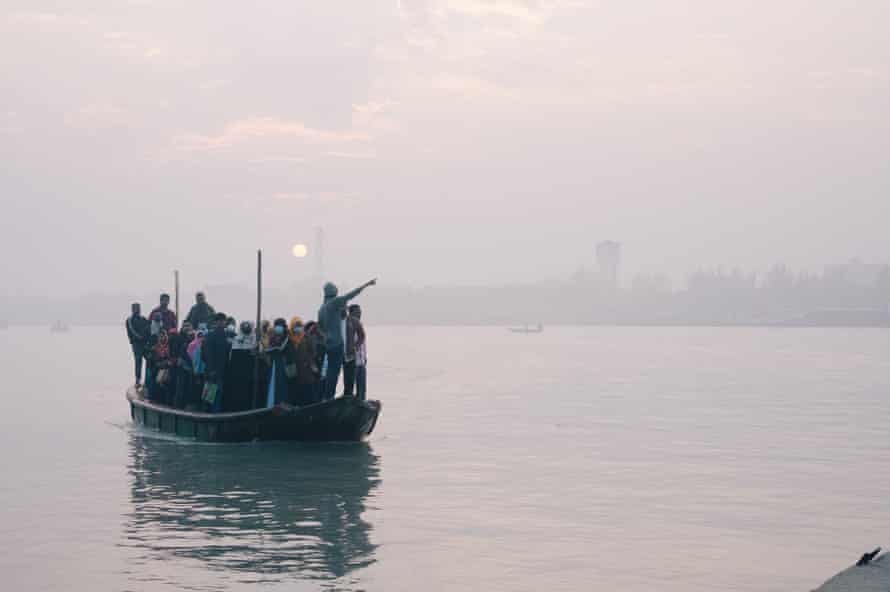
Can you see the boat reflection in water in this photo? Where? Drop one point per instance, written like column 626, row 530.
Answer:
column 269, row 512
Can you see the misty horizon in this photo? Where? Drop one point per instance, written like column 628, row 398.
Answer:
column 437, row 142
column 854, row 294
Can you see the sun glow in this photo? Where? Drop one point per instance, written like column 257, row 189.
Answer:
column 300, row 250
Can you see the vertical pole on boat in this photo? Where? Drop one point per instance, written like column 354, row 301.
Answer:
column 176, row 293
column 259, row 312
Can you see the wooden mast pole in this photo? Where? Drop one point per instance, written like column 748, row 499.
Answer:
column 259, row 312
column 176, row 293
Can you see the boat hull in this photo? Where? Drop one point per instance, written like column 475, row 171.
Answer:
column 345, row 419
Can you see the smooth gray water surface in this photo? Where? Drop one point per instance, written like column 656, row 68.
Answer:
column 581, row 458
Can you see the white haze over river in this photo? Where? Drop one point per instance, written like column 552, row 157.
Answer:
column 444, row 142
column 633, row 459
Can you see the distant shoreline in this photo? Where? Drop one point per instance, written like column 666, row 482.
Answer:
column 703, row 325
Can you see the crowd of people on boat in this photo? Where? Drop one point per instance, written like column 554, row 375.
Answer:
column 212, row 363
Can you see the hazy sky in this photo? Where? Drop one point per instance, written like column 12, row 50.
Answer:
column 437, row 140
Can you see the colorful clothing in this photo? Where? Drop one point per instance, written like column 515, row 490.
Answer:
column 168, row 317
column 295, row 338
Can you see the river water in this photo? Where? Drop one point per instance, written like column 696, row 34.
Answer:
column 625, row 459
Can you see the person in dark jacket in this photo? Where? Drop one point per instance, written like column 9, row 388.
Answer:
column 308, row 367
column 240, row 371
column 137, row 332
column 215, row 352
column 332, row 318
column 201, row 312
column 154, row 333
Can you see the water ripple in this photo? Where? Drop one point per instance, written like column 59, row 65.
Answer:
column 275, row 511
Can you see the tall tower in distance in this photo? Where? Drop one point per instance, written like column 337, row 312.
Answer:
column 319, row 253
column 608, row 260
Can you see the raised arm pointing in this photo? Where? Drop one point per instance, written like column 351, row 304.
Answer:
column 357, row 291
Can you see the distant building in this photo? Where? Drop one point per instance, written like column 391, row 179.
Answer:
column 650, row 284
column 856, row 272
column 608, row 260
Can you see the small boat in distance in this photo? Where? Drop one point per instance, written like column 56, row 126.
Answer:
column 344, row 419
column 59, row 327
column 539, row 328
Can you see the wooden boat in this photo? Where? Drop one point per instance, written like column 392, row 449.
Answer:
column 340, row 419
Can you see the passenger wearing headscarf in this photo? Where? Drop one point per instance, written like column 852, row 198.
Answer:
column 240, row 371
column 295, row 336
column 330, row 316
column 295, row 330
column 159, row 362
column 275, row 352
column 306, row 355
column 176, row 344
column 194, row 349
column 184, row 390
column 198, row 367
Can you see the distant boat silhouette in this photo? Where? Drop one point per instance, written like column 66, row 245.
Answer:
column 59, row 327
column 539, row 328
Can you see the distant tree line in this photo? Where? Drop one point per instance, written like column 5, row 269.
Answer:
column 852, row 293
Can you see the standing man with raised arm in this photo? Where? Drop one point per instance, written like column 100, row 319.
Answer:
column 332, row 319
